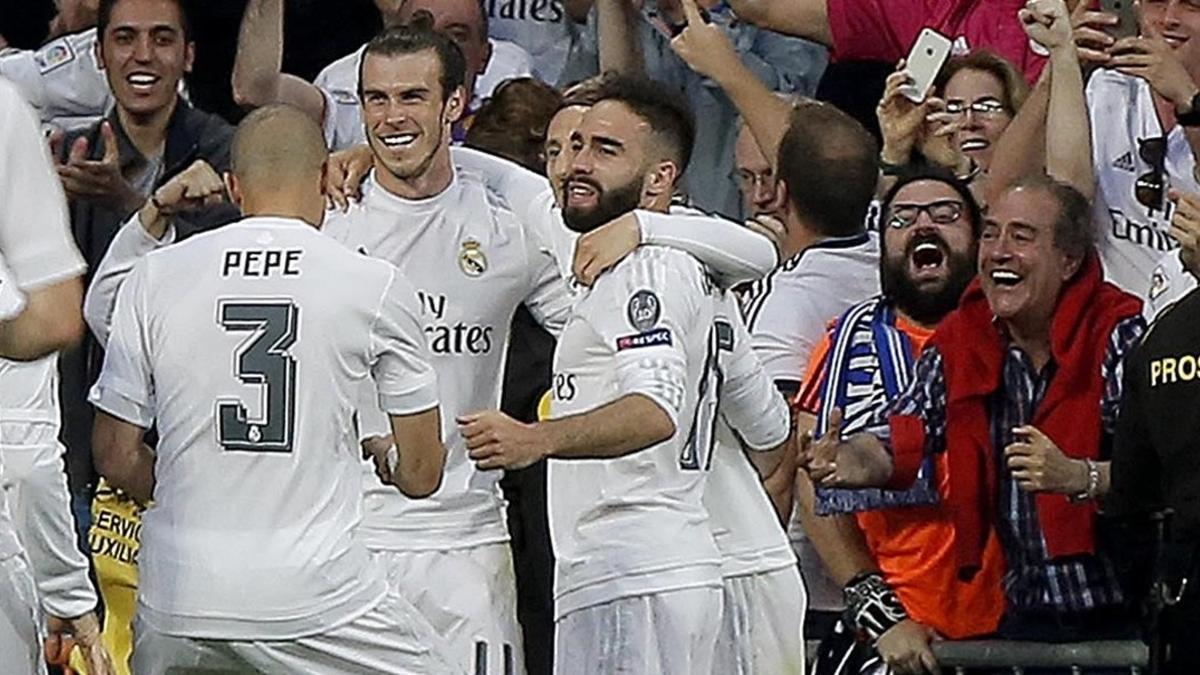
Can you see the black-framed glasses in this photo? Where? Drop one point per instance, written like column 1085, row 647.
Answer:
column 984, row 107
column 942, row 212
column 1150, row 188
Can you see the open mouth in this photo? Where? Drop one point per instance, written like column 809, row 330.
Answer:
column 927, row 255
column 1174, row 40
column 974, row 144
column 142, row 82
column 1005, row 278
column 581, row 193
column 398, row 141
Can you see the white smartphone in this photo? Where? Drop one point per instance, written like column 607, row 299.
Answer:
column 926, row 59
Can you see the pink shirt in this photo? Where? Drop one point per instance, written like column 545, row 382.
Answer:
column 884, row 30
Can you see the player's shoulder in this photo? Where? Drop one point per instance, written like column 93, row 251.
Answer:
column 838, row 258
column 657, row 268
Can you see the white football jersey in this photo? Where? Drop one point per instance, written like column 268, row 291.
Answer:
column 61, row 79
column 338, row 83
column 246, row 348
column 473, row 264
column 1168, row 285
column 743, row 520
column 636, row 525
column 1133, row 237
column 542, row 28
column 787, row 314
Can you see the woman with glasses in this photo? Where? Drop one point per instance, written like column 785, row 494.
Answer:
column 959, row 123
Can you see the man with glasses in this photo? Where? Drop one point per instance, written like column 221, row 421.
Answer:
column 887, row 547
column 1018, row 392
column 1145, row 130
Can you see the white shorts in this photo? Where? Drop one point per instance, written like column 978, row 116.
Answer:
column 668, row 633
column 391, row 638
column 20, row 635
column 762, row 629
column 470, row 597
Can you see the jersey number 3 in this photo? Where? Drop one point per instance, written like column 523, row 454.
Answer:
column 261, row 360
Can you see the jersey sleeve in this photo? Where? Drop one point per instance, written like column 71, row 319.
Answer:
column 12, row 300
column 61, row 79
column 784, row 337
column 644, row 321
column 342, row 123
column 550, row 298
column 734, row 253
column 400, row 364
column 750, row 403
column 35, row 237
column 126, row 386
column 127, row 248
column 875, row 30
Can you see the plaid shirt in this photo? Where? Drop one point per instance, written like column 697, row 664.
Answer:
column 1032, row 581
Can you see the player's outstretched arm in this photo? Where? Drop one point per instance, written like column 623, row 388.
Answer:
column 258, row 77
column 629, row 424
column 122, row 457
column 422, row 457
column 50, row 322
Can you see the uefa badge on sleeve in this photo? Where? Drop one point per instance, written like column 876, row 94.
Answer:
column 471, row 259
column 643, row 310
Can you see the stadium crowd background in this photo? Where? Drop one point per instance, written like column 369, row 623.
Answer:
column 1046, row 150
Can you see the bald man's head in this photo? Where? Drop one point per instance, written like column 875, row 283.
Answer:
column 278, row 164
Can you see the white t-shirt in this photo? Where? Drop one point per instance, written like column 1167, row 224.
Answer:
column 1132, row 237
column 61, row 79
column 541, row 27
column 472, row 264
column 246, row 348
column 743, row 521
column 338, row 82
column 787, row 314
column 636, row 525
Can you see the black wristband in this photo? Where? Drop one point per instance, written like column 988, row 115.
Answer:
column 889, row 169
column 1190, row 118
column 871, row 605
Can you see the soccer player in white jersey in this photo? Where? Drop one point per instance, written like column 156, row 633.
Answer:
column 764, row 595
column 250, row 559
column 39, row 296
column 1142, row 105
column 634, row 403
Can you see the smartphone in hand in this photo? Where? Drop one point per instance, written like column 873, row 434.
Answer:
column 929, row 53
column 1126, row 13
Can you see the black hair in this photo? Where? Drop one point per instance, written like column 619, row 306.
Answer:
column 105, row 10
column 923, row 172
column 414, row 38
column 828, row 161
column 1074, row 233
column 667, row 115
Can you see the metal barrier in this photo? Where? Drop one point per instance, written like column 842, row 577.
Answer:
column 962, row 655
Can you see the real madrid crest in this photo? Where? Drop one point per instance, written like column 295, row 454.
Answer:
column 471, row 259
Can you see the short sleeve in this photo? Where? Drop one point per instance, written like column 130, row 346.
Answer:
column 126, row 386
column 784, row 337
column 644, row 320
column 35, row 238
column 400, row 364
column 875, row 30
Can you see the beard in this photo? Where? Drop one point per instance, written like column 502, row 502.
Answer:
column 610, row 204
column 924, row 304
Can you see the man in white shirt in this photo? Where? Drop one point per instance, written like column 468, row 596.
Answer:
column 633, row 435
column 232, row 575
column 1145, row 129
column 39, row 296
column 333, row 97
column 61, row 79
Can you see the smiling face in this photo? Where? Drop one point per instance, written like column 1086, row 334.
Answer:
column 609, row 168
column 145, row 54
column 980, row 130
column 407, row 119
column 560, row 155
column 1178, row 21
column 929, row 250
column 1021, row 269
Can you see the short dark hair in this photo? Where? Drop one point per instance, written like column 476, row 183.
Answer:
column 512, row 122
column 585, row 93
column 1074, row 234
column 414, row 38
column 829, row 163
column 667, row 115
column 105, row 10
column 930, row 172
